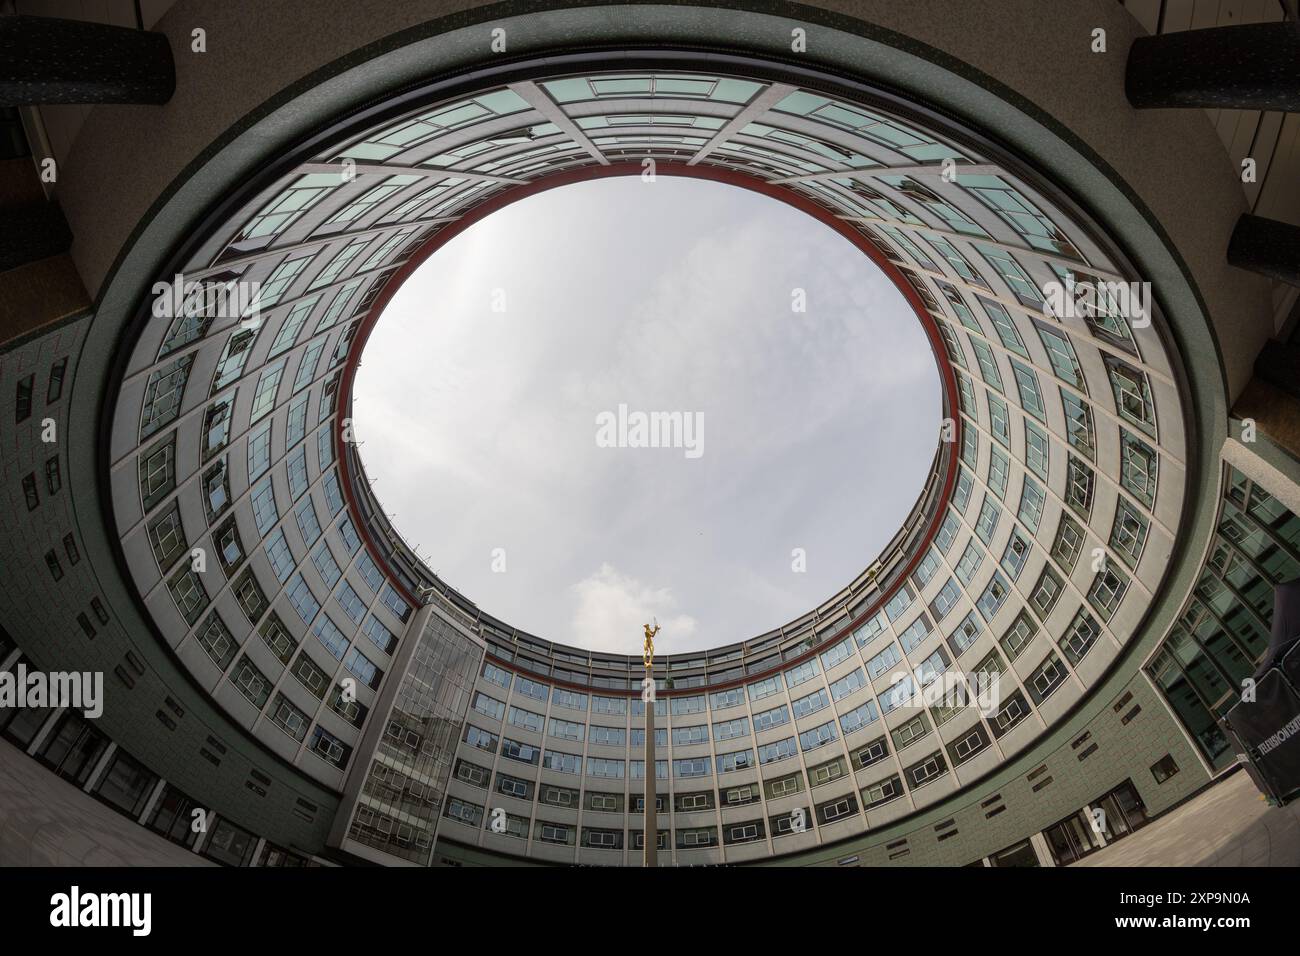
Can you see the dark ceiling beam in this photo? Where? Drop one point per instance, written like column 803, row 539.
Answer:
column 1252, row 66
column 1279, row 365
column 46, row 61
column 1266, row 246
column 32, row 232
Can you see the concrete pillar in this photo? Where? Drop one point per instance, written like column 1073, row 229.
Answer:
column 1251, row 66
column 152, row 802
column 39, row 294
column 1098, row 839
column 44, row 60
column 1042, row 850
column 1266, row 246
column 201, row 838
column 1279, row 364
column 32, row 232
column 1264, row 429
column 100, row 767
column 44, row 732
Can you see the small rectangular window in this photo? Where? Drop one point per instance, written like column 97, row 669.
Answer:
column 55, row 390
column 53, row 477
column 1164, row 768
column 23, row 400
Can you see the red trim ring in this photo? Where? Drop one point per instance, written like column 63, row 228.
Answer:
column 730, row 177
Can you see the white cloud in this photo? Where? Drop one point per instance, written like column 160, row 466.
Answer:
column 612, row 609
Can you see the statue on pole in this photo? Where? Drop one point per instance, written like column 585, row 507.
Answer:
column 649, row 650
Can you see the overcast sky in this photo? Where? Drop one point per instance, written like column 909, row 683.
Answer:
column 480, row 426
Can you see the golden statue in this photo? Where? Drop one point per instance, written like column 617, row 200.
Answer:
column 649, row 651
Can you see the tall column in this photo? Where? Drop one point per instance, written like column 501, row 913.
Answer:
column 1266, row 246
column 44, row 60
column 1251, row 66
column 32, row 232
column 152, row 802
column 1279, row 365
column 1094, row 834
column 651, row 840
column 1041, row 850
column 100, row 766
column 44, row 732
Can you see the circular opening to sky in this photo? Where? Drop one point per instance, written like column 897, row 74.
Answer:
column 618, row 400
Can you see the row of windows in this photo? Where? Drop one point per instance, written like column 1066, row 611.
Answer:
column 916, row 775
column 1130, row 527
column 798, row 820
column 168, row 540
column 26, row 387
column 53, row 482
column 1078, row 638
column 1042, row 682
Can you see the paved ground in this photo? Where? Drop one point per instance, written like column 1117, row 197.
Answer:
column 45, row 821
column 1227, row 825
